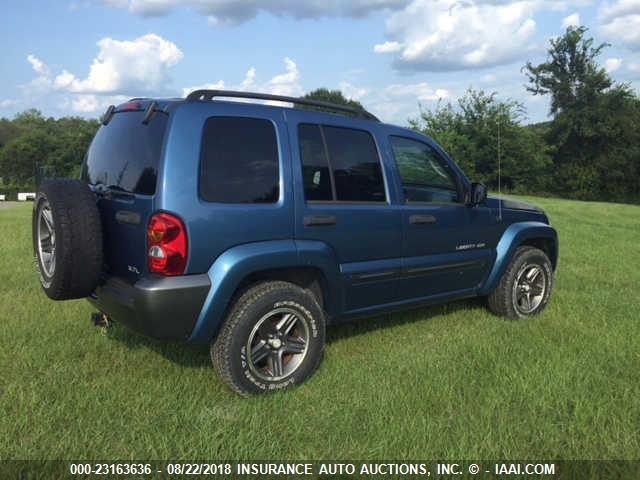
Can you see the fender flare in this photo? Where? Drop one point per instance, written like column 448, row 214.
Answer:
column 514, row 236
column 234, row 265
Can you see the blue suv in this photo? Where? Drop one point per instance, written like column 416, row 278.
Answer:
column 252, row 227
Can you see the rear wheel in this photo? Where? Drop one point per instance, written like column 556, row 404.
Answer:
column 272, row 338
column 525, row 287
column 67, row 239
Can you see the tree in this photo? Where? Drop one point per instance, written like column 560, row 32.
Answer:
column 20, row 157
column 331, row 96
column 31, row 141
column 571, row 74
column 594, row 129
column 472, row 131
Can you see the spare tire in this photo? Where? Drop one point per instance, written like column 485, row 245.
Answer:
column 67, row 238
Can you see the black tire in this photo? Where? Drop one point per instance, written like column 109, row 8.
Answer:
column 73, row 270
column 516, row 297
column 252, row 317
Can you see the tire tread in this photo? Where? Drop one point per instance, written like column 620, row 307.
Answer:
column 499, row 301
column 221, row 354
column 79, row 245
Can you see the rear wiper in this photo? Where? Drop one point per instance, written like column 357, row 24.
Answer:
column 109, row 191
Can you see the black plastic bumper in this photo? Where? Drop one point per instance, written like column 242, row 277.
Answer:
column 163, row 307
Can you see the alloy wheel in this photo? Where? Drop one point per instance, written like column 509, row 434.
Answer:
column 278, row 344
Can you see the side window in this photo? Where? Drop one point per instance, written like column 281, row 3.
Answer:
column 239, row 161
column 340, row 164
column 315, row 167
column 425, row 175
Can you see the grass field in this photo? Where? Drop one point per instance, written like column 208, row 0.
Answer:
column 448, row 382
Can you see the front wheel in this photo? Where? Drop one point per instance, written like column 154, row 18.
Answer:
column 273, row 338
column 525, row 287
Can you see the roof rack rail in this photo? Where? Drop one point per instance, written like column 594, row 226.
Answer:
column 207, row 95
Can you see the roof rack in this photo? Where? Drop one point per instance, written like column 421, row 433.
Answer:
column 207, row 95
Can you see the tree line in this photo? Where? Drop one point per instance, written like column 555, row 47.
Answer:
column 590, row 149
column 32, row 146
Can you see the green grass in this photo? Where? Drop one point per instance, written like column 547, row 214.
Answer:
column 450, row 381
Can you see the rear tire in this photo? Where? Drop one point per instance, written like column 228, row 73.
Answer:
column 67, row 239
column 273, row 338
column 525, row 287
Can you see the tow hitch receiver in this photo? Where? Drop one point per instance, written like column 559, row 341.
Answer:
column 100, row 319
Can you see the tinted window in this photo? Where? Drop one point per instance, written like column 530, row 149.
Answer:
column 425, row 175
column 125, row 153
column 355, row 165
column 315, row 168
column 239, row 161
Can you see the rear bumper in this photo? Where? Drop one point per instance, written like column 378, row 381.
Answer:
column 163, row 307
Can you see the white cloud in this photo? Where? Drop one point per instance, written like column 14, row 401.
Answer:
column 420, row 91
column 89, row 103
column 219, row 85
column 437, row 35
column 8, row 103
column 352, row 92
column 139, row 65
column 42, row 83
column 620, row 22
column 395, row 102
column 85, row 103
column 228, row 12
column 619, row 8
column 572, row 20
column 120, row 69
column 287, row 83
column 38, row 65
column 249, row 79
column 64, row 80
column 446, row 35
column 387, row 47
column 612, row 64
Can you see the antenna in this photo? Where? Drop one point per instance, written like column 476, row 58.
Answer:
column 499, row 170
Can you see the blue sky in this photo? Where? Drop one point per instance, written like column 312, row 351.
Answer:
column 76, row 57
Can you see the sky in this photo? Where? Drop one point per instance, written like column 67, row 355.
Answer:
column 75, row 57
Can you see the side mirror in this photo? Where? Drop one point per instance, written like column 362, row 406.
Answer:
column 477, row 194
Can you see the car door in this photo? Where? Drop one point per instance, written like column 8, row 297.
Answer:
column 342, row 200
column 447, row 245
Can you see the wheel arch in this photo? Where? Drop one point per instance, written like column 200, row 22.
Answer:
column 309, row 278
column 308, row 264
column 535, row 234
column 547, row 244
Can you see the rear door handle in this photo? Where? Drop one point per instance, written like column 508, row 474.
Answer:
column 422, row 219
column 319, row 220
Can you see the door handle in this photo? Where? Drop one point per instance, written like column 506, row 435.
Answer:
column 319, row 220
column 422, row 219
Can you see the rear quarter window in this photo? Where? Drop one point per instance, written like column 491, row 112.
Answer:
column 125, row 153
column 239, row 162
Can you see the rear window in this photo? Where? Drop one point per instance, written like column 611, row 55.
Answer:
column 125, row 153
column 239, row 161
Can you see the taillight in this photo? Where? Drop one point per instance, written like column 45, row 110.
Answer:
column 167, row 245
